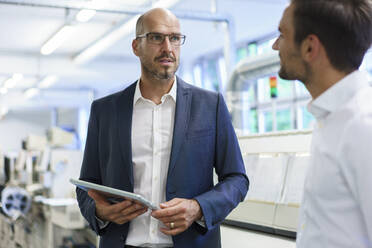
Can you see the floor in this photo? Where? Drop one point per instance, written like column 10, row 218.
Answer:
column 233, row 237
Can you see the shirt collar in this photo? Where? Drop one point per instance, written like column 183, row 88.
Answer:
column 172, row 93
column 338, row 94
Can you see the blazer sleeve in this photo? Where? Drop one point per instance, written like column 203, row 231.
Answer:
column 90, row 172
column 233, row 183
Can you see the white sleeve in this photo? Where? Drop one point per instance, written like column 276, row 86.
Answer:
column 357, row 156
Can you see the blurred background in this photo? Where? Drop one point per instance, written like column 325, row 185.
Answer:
column 57, row 56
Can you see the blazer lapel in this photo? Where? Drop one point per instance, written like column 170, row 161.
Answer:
column 181, row 120
column 124, row 110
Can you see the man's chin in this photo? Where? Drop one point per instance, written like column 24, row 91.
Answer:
column 166, row 75
column 161, row 73
column 284, row 75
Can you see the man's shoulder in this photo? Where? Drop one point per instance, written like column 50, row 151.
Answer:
column 114, row 96
column 358, row 110
column 197, row 90
column 362, row 100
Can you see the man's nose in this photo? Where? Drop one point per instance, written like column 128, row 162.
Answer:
column 275, row 45
column 167, row 45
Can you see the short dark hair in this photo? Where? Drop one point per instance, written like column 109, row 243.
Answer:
column 344, row 27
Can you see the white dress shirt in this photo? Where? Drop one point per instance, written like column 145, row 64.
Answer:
column 152, row 135
column 336, row 211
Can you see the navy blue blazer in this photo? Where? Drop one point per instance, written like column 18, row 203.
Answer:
column 203, row 140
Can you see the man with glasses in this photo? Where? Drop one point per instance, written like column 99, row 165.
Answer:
column 161, row 138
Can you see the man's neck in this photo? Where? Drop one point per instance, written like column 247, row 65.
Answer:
column 154, row 90
column 321, row 80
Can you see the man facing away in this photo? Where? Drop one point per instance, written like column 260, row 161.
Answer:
column 322, row 43
column 161, row 138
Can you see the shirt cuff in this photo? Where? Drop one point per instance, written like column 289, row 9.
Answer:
column 101, row 223
column 201, row 222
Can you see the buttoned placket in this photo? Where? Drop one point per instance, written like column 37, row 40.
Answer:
column 157, row 148
column 152, row 136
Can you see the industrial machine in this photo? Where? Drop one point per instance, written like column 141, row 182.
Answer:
column 276, row 161
column 276, row 165
column 39, row 207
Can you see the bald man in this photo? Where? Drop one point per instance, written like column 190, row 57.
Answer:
column 161, row 138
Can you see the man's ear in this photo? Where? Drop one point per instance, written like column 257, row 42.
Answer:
column 135, row 45
column 310, row 48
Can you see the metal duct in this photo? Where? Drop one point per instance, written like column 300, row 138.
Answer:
column 242, row 78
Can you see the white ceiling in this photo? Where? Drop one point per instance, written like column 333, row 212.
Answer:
column 26, row 28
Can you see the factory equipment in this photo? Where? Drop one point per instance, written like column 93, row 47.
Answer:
column 275, row 162
column 35, row 142
column 38, row 203
column 242, row 81
column 276, row 165
column 2, row 169
column 59, row 137
column 15, row 202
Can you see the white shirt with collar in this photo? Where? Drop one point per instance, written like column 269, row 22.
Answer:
column 336, row 211
column 152, row 135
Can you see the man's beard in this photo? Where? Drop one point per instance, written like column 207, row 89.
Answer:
column 285, row 75
column 300, row 73
column 161, row 75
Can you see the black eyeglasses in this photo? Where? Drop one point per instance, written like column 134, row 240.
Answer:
column 158, row 38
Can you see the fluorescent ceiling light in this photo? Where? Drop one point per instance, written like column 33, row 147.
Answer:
column 17, row 76
column 108, row 40
column 3, row 111
column 3, row 90
column 47, row 81
column 164, row 3
column 133, row 2
column 57, row 39
column 85, row 15
column 31, row 93
column 11, row 82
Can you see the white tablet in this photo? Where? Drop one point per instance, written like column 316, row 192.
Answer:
column 114, row 195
